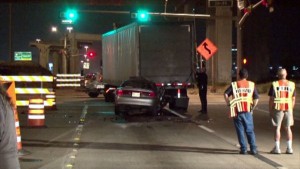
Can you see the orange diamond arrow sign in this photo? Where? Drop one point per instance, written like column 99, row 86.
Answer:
column 207, row 49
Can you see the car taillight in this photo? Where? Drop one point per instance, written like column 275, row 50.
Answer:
column 119, row 92
column 159, row 84
column 152, row 94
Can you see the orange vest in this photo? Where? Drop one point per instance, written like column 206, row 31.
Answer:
column 284, row 91
column 242, row 97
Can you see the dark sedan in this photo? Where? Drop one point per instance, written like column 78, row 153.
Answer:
column 137, row 93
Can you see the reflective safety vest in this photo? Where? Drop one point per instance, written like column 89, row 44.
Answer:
column 242, row 97
column 284, row 91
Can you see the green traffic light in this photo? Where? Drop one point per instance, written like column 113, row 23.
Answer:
column 143, row 15
column 71, row 15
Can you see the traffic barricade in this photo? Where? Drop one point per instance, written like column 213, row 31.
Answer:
column 50, row 100
column 31, row 87
column 18, row 130
column 68, row 80
column 36, row 114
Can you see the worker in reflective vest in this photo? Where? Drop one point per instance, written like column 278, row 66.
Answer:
column 282, row 95
column 244, row 100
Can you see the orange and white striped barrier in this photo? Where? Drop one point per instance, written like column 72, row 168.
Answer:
column 30, row 87
column 18, row 130
column 36, row 115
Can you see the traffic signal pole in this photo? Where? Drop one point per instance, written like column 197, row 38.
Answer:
column 239, row 44
column 240, row 20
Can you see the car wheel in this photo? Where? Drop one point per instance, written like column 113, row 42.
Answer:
column 93, row 94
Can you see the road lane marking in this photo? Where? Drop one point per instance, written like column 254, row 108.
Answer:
column 258, row 156
column 70, row 159
column 265, row 111
column 206, row 129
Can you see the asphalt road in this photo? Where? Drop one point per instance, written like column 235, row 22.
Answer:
column 84, row 133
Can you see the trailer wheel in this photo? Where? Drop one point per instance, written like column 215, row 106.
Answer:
column 93, row 94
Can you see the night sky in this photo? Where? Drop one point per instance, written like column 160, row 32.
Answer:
column 34, row 20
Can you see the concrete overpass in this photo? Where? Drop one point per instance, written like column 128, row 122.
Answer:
column 65, row 56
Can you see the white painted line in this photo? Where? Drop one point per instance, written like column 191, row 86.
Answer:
column 265, row 111
column 206, row 129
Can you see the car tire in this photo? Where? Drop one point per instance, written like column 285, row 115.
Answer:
column 93, row 94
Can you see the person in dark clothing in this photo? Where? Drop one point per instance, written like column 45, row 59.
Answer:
column 201, row 78
column 8, row 138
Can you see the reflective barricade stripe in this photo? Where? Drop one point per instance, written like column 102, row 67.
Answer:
column 32, row 91
column 36, row 116
column 68, row 80
column 28, row 78
column 22, row 102
column 29, row 86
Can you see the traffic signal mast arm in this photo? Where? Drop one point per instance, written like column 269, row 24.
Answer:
column 248, row 10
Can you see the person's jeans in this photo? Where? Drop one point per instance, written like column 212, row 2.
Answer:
column 244, row 124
